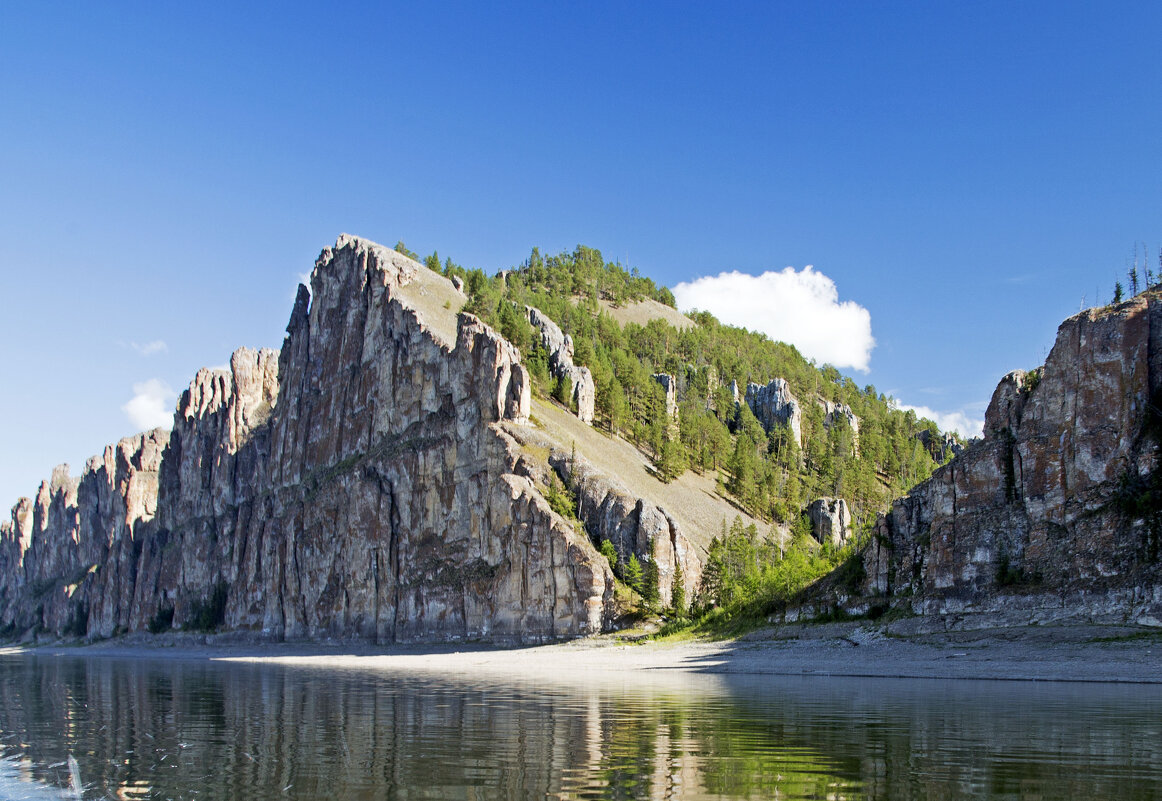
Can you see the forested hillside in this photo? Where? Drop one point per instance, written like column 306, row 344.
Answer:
column 765, row 471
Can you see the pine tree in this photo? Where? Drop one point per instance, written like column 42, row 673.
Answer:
column 678, row 591
column 632, row 573
column 610, row 553
column 650, row 590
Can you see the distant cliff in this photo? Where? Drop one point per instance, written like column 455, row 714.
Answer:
column 355, row 484
column 1057, row 512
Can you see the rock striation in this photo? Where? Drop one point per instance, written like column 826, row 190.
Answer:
column 830, row 520
column 559, row 346
column 1055, row 514
column 774, row 404
column 357, row 484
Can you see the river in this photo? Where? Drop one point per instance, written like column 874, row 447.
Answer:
column 200, row 729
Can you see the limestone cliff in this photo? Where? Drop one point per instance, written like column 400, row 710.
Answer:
column 1057, row 512
column 355, row 484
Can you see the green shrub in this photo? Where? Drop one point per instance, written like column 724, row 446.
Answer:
column 162, row 621
column 210, row 613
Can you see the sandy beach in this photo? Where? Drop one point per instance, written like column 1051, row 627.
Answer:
column 1079, row 653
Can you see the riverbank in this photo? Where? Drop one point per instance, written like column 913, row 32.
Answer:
column 1122, row 654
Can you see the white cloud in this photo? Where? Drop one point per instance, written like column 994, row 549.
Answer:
column 152, row 405
column 960, row 421
column 800, row 307
column 150, row 348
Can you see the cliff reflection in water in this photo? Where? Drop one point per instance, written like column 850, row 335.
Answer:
column 173, row 729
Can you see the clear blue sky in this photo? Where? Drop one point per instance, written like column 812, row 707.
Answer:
column 966, row 172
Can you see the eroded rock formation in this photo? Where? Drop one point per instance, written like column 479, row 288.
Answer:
column 559, row 346
column 1055, row 513
column 774, row 404
column 830, row 520
column 669, row 386
column 356, row 484
column 833, row 413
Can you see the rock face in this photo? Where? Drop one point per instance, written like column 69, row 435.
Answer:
column 634, row 525
column 834, row 412
column 559, row 346
column 356, row 484
column 1055, row 513
column 774, row 404
column 69, row 558
column 830, row 520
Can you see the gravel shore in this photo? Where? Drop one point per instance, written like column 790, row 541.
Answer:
column 1121, row 654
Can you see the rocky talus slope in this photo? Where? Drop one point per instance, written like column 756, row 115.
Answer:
column 1057, row 513
column 358, row 483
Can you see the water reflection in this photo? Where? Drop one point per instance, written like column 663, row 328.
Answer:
column 173, row 729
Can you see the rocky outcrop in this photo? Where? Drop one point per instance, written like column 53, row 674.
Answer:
column 634, row 525
column 834, row 413
column 1055, row 513
column 941, row 447
column 669, row 386
column 774, row 404
column 559, row 346
column 830, row 520
column 69, row 558
column 355, row 484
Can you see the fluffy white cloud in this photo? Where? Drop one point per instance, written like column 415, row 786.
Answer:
column 152, row 405
column 150, row 348
column 960, row 421
column 801, row 307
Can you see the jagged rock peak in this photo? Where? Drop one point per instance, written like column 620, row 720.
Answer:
column 1007, row 404
column 379, row 262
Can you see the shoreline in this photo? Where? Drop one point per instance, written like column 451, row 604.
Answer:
column 1075, row 654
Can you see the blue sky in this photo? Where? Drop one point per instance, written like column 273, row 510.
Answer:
column 968, row 173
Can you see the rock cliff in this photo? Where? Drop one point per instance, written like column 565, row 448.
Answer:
column 356, row 484
column 1057, row 512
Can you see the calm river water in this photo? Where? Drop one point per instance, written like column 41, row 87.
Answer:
column 189, row 729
